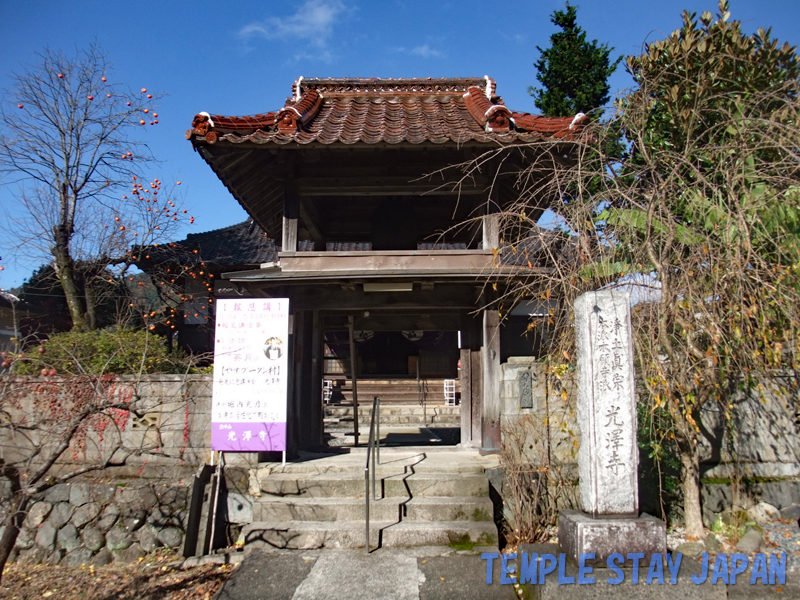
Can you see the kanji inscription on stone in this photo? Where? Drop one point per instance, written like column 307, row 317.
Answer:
column 608, row 456
column 526, row 389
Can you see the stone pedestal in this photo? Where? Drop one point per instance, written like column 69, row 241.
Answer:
column 579, row 533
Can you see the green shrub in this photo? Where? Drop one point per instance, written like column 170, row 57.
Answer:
column 122, row 351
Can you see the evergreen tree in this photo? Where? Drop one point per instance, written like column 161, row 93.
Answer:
column 573, row 72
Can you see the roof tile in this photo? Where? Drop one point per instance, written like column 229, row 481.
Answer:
column 351, row 111
column 243, row 244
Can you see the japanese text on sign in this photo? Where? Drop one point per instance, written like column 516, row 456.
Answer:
column 250, row 375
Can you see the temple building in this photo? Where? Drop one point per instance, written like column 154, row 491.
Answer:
column 383, row 198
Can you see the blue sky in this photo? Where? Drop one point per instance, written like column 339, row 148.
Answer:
column 240, row 58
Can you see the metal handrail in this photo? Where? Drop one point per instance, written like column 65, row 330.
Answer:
column 374, row 441
column 422, row 392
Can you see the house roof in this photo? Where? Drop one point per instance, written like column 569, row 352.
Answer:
column 7, row 298
column 241, row 245
column 11, row 302
column 392, row 111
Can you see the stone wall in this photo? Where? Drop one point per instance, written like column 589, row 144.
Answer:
column 125, row 512
column 93, row 523
column 553, row 402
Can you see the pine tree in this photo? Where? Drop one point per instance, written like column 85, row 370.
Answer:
column 573, row 72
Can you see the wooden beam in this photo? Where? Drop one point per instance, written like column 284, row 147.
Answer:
column 452, row 297
column 385, row 186
column 414, row 261
column 441, row 321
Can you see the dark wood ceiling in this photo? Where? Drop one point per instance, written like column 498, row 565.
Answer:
column 346, row 191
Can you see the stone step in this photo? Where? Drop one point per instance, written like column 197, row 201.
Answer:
column 452, row 508
column 393, row 410
column 392, row 391
column 395, row 382
column 392, row 436
column 350, row 534
column 351, row 485
column 397, row 398
column 454, row 420
column 394, row 462
column 418, row 420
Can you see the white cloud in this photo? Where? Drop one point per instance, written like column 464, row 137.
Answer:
column 313, row 22
column 424, row 50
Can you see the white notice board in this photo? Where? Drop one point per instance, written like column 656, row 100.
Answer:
column 248, row 412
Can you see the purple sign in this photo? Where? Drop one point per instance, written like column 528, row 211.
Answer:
column 232, row 437
column 248, row 412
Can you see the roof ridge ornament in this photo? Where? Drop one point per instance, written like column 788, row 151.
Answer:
column 493, row 117
column 208, row 116
column 291, row 118
column 577, row 120
column 297, row 91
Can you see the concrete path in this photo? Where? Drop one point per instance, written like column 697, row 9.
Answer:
column 435, row 573
column 426, row 573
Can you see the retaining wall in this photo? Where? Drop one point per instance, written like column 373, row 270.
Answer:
column 122, row 513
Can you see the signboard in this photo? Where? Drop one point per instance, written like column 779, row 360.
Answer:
column 248, row 407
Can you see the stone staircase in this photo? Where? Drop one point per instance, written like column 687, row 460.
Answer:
column 425, row 497
column 340, row 418
column 400, row 406
column 391, row 391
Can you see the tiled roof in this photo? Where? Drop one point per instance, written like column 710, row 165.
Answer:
column 392, row 111
column 9, row 300
column 243, row 244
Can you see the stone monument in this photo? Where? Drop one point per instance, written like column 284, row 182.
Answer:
column 608, row 458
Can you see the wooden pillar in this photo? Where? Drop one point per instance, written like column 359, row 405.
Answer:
column 491, row 224
column 353, row 376
column 490, row 357
column 471, row 398
column 466, row 396
column 291, row 209
column 491, row 231
column 317, row 359
column 476, row 416
column 309, row 405
column 292, row 413
column 471, row 381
